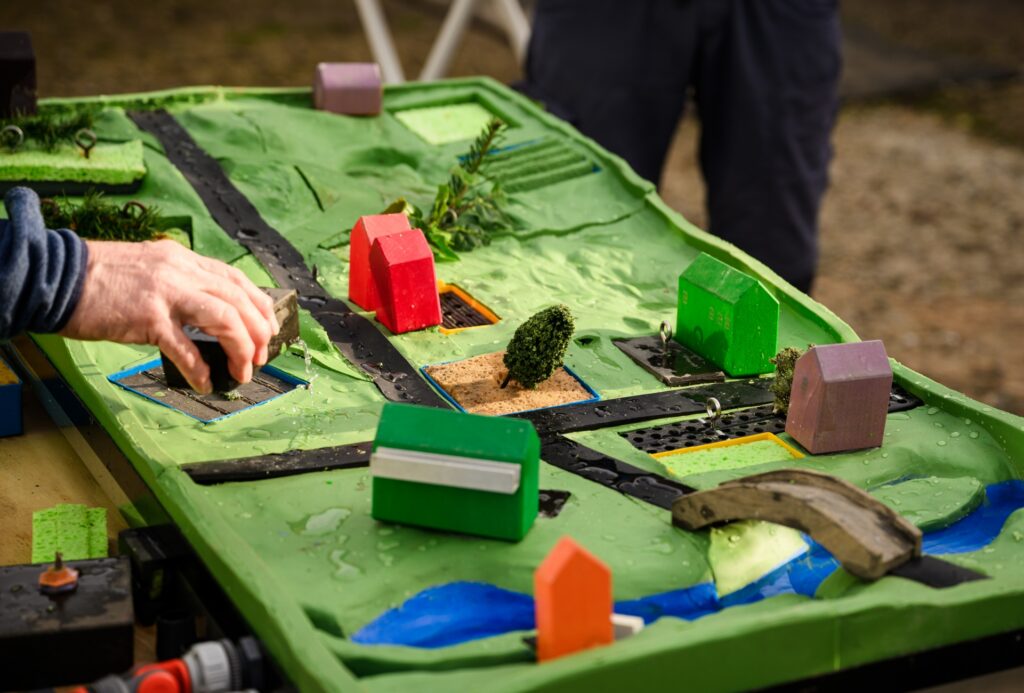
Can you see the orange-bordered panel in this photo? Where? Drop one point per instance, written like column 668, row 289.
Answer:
column 460, row 311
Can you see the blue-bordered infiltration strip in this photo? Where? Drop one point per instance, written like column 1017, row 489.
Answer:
column 594, row 397
column 119, row 378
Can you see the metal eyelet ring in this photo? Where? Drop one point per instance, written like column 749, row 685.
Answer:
column 19, row 136
column 665, row 331
column 714, row 410
column 133, row 204
column 86, row 140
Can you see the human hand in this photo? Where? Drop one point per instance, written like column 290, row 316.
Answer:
column 143, row 293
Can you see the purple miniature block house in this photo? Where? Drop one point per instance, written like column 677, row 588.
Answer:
column 348, row 88
column 840, row 397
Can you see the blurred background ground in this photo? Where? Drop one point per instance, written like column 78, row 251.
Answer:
column 922, row 227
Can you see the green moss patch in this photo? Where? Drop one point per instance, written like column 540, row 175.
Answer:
column 75, row 530
column 444, row 124
column 113, row 164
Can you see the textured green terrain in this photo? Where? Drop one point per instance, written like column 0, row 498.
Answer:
column 303, row 559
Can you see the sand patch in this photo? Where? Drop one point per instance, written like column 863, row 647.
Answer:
column 475, row 383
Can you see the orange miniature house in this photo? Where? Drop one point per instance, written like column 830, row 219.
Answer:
column 361, row 289
column 573, row 596
column 402, row 266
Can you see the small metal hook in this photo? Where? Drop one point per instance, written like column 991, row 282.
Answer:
column 133, row 204
column 714, row 410
column 86, row 140
column 19, row 136
column 665, row 331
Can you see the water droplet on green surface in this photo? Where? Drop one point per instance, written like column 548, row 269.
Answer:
column 954, row 434
column 388, row 545
column 257, row 433
column 972, row 434
column 932, row 411
column 322, row 523
column 344, row 570
column 940, row 443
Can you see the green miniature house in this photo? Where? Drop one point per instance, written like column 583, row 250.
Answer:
column 459, row 472
column 727, row 316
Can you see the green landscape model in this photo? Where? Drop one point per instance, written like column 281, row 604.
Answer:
column 305, row 561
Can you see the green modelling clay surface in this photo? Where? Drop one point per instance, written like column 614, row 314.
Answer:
column 934, row 502
column 107, row 163
column 76, row 531
column 304, row 561
column 738, row 456
column 742, row 552
column 449, row 123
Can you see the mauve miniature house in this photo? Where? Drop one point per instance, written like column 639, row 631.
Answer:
column 348, row 88
column 17, row 74
column 402, row 266
column 840, row 397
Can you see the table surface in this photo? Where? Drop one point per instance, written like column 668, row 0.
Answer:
column 40, row 469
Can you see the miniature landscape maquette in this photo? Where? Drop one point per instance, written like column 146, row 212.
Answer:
column 414, row 561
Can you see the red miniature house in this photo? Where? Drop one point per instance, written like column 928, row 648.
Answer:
column 402, row 265
column 573, row 596
column 840, row 397
column 361, row 289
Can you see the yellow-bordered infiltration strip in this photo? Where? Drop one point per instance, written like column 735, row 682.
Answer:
column 770, row 437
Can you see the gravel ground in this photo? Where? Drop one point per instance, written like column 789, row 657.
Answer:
column 921, row 232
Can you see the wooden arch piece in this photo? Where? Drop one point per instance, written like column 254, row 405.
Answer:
column 866, row 536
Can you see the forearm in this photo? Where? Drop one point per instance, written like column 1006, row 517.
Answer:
column 41, row 271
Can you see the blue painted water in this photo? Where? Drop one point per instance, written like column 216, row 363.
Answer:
column 458, row 612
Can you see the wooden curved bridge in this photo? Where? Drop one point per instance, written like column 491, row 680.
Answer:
column 866, row 536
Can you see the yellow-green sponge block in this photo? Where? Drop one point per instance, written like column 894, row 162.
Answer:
column 113, row 164
column 76, row 531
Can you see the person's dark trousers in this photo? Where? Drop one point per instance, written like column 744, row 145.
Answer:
column 764, row 75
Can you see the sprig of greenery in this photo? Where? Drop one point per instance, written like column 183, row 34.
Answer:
column 782, row 386
column 467, row 208
column 49, row 130
column 97, row 219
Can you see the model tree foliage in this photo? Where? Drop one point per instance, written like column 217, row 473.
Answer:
column 95, row 218
column 467, row 208
column 538, row 346
column 782, row 386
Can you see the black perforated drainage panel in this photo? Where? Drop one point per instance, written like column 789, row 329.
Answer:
column 901, row 400
column 737, row 424
column 552, row 502
column 459, row 310
column 670, row 362
column 688, row 434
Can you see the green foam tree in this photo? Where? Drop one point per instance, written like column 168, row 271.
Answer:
column 782, row 386
column 538, row 346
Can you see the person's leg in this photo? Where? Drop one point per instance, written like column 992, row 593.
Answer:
column 615, row 69
column 767, row 79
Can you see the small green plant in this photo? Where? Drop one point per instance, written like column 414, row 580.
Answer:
column 47, row 131
column 538, row 346
column 467, row 208
column 782, row 386
column 96, row 219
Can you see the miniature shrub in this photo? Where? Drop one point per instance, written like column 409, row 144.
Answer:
column 538, row 346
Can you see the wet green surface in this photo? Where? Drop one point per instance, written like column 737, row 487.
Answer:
column 301, row 556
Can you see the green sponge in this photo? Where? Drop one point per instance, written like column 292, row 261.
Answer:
column 111, row 164
column 76, row 531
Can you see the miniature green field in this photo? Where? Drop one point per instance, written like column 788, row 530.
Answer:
column 307, row 565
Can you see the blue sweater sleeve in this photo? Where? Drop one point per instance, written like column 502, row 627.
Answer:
column 41, row 271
